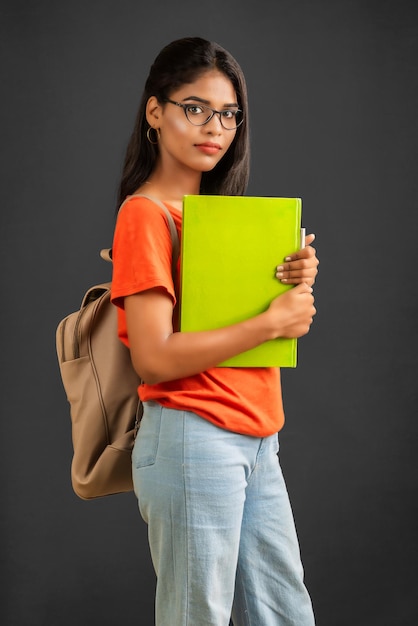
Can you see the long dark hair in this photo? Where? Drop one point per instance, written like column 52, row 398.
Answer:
column 181, row 62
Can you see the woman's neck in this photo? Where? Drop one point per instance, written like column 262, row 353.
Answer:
column 171, row 188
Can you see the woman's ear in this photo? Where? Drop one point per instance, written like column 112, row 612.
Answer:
column 153, row 112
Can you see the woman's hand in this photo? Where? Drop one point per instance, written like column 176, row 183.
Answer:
column 291, row 314
column 300, row 267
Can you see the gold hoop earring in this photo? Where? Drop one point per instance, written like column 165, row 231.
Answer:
column 157, row 132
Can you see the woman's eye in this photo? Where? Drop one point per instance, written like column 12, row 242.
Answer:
column 229, row 115
column 194, row 110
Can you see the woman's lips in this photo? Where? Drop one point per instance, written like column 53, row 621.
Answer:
column 208, row 147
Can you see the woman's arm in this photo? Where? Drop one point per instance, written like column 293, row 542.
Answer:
column 159, row 354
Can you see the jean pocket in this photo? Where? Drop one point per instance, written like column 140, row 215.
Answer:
column 145, row 449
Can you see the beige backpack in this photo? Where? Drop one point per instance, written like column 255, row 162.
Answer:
column 101, row 386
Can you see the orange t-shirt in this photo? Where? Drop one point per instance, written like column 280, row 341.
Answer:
column 243, row 400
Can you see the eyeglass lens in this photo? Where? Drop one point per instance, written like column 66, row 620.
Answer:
column 199, row 114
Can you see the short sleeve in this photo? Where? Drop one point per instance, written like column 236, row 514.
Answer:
column 141, row 251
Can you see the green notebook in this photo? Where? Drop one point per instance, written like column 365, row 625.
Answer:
column 231, row 246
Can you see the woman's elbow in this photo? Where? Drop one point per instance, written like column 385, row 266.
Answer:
column 151, row 378
column 149, row 373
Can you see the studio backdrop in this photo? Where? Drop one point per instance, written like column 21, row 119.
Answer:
column 333, row 117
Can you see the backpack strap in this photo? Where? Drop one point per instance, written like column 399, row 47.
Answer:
column 106, row 253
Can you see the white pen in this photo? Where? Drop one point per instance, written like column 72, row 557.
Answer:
column 302, row 237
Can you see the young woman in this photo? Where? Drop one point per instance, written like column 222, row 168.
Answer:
column 205, row 465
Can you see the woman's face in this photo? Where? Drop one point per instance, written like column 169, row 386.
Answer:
column 198, row 148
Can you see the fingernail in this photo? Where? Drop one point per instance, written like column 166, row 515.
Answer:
column 288, row 258
column 280, row 268
column 279, row 274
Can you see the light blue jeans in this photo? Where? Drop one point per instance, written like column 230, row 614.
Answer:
column 220, row 525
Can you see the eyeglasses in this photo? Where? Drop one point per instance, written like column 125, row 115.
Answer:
column 201, row 114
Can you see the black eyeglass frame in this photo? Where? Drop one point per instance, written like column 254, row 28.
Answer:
column 185, row 106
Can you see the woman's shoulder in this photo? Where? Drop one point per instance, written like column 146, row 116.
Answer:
column 139, row 202
column 149, row 209
column 146, row 202
column 138, row 207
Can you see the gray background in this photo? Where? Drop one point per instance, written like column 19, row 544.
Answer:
column 334, row 99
